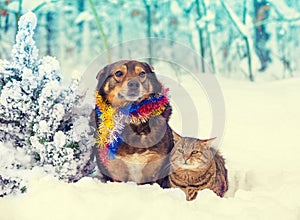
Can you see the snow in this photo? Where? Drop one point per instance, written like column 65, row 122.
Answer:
column 24, row 50
column 176, row 10
column 29, row 5
column 59, row 139
column 261, row 148
column 14, row 6
column 285, row 11
column 82, row 17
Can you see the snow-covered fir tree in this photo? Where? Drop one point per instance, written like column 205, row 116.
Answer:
column 40, row 115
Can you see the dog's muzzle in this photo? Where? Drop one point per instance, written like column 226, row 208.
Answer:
column 133, row 92
column 133, row 85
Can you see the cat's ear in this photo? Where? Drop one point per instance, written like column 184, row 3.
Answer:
column 176, row 137
column 206, row 142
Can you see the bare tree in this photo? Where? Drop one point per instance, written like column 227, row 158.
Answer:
column 244, row 33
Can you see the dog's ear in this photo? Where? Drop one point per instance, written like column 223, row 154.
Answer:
column 157, row 86
column 101, row 77
column 101, row 72
column 149, row 67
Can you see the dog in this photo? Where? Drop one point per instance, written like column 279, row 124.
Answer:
column 143, row 155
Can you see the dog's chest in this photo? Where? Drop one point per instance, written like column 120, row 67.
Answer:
column 136, row 164
column 138, row 167
column 142, row 153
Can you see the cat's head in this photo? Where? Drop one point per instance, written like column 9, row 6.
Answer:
column 191, row 153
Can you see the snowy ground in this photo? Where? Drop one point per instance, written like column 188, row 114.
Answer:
column 261, row 148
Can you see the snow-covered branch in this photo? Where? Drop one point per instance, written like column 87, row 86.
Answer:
column 242, row 29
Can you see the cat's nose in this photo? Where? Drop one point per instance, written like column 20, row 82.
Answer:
column 186, row 157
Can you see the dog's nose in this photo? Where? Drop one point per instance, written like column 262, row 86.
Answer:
column 133, row 84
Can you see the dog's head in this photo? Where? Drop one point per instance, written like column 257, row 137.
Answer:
column 127, row 81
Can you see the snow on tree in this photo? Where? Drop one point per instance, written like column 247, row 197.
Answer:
column 39, row 114
column 11, row 160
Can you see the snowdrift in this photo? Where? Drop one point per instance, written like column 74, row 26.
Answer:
column 261, row 148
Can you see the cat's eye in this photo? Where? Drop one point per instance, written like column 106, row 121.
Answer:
column 180, row 150
column 195, row 152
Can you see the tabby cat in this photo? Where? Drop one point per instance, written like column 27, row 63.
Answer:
column 196, row 166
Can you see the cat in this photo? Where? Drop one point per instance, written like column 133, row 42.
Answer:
column 196, row 166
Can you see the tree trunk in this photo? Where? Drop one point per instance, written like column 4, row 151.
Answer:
column 244, row 11
column 18, row 14
column 49, row 32
column 149, row 29
column 120, row 37
column 200, row 34
column 261, row 36
column 211, row 54
column 247, row 43
column 80, row 9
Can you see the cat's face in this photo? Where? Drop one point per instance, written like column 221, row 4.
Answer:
column 191, row 153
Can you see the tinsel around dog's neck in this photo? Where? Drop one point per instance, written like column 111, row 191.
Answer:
column 111, row 120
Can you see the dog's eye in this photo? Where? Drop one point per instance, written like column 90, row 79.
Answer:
column 119, row 74
column 142, row 74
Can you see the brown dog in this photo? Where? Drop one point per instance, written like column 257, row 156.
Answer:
column 142, row 157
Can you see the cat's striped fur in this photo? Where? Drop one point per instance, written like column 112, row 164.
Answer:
column 196, row 166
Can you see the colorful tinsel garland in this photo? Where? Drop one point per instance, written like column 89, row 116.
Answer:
column 111, row 120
